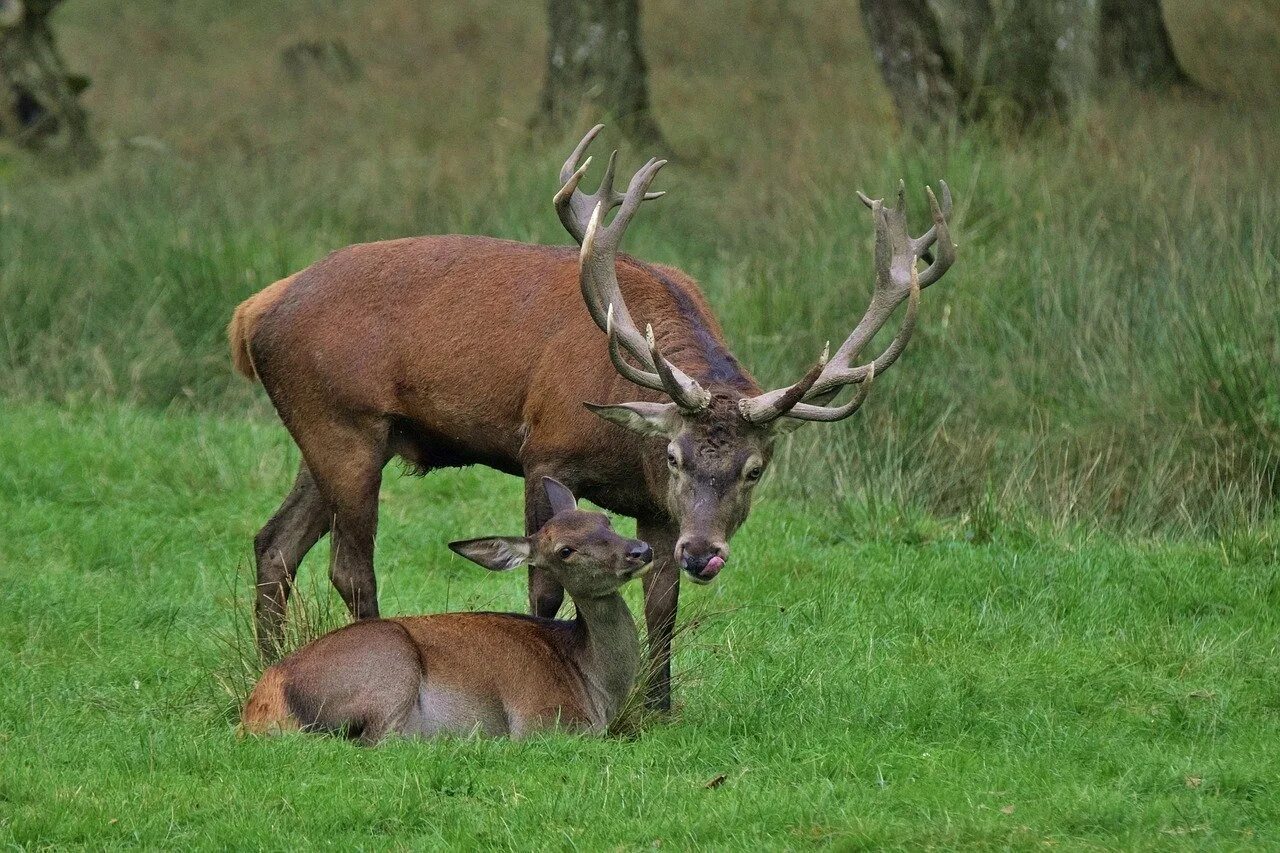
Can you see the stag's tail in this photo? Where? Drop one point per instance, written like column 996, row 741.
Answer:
column 245, row 322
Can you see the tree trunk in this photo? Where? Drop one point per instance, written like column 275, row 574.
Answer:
column 39, row 101
column 594, row 65
column 1039, row 58
column 1014, row 61
column 917, row 71
column 1136, row 45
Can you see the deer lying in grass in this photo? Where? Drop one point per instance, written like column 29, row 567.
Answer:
column 450, row 350
column 489, row 673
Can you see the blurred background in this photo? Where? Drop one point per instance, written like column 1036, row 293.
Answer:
column 1103, row 357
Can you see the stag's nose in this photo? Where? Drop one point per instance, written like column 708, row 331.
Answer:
column 639, row 553
column 701, row 558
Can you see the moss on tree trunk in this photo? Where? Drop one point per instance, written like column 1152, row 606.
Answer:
column 595, row 66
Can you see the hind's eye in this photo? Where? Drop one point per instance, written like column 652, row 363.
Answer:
column 755, row 473
column 672, row 460
column 565, row 553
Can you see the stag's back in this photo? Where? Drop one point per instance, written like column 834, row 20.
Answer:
column 456, row 334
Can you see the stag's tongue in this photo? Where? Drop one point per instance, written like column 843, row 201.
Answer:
column 713, row 567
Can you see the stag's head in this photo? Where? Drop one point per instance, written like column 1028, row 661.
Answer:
column 718, row 440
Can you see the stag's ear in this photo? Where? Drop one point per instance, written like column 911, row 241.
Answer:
column 498, row 553
column 558, row 495
column 661, row 420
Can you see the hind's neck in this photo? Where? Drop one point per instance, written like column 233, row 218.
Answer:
column 607, row 653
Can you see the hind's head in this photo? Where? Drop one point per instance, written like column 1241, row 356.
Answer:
column 580, row 549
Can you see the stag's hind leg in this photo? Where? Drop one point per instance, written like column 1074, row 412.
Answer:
column 278, row 549
column 346, row 461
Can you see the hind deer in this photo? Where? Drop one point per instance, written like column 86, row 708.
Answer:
column 487, row 673
column 453, row 350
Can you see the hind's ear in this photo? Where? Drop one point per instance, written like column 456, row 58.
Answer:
column 497, row 553
column 559, row 495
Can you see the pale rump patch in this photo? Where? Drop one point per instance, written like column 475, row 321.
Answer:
column 267, row 712
column 443, row 710
column 245, row 320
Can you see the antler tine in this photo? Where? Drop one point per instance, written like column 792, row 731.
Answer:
column 598, row 279
column 827, row 414
column 571, row 165
column 574, row 208
column 597, row 274
column 680, row 387
column 642, row 378
column 938, row 234
column 896, row 280
column 925, row 240
column 884, row 300
column 867, row 372
column 758, row 411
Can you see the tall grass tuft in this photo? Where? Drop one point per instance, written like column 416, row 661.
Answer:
column 314, row 610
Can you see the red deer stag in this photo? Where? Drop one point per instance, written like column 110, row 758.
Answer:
column 454, row 350
column 488, row 673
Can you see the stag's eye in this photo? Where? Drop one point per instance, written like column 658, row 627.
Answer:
column 565, row 552
column 672, row 461
column 755, row 473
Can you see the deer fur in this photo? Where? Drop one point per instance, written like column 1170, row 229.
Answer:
column 476, row 673
column 451, row 351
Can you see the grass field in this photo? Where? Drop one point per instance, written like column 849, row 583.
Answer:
column 851, row 689
column 1028, row 597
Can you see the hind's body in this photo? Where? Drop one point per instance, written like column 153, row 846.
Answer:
column 455, row 673
column 477, row 673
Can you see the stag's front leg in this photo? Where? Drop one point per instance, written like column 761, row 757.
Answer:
column 545, row 592
column 661, row 598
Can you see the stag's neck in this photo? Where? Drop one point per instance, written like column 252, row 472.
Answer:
column 607, row 653
column 685, row 330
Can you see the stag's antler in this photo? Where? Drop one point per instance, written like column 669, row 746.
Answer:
column 575, row 207
column 896, row 280
column 597, row 274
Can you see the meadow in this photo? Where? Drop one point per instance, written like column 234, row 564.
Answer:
column 1027, row 597
column 834, row 688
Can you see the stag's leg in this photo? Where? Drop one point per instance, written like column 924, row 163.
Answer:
column 346, row 461
column 278, row 549
column 661, row 597
column 545, row 593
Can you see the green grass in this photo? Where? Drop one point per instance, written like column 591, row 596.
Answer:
column 853, row 689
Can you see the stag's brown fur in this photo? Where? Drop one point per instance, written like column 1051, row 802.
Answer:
column 454, row 350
